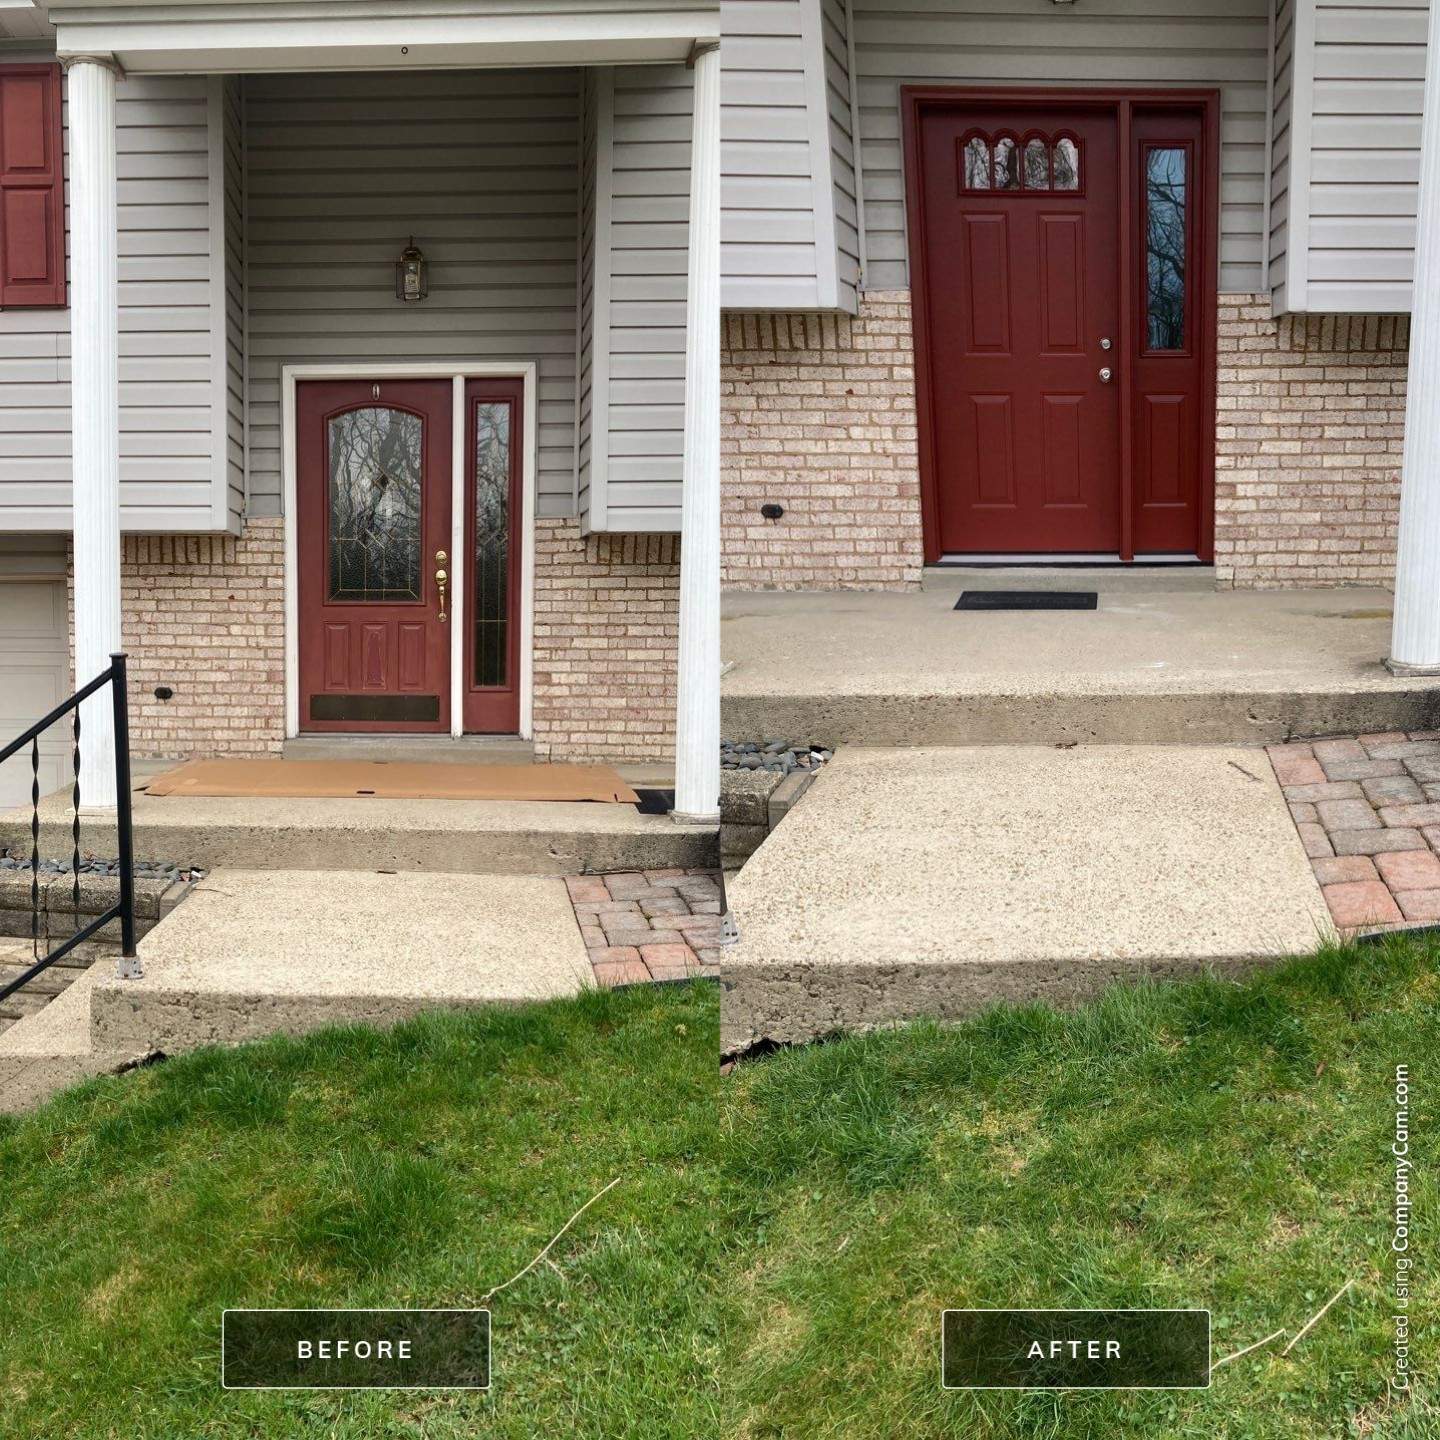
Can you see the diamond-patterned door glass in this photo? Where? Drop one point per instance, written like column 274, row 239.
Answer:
column 375, row 460
column 490, row 661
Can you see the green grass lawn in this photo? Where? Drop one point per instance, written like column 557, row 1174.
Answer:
column 1196, row 1145
column 422, row 1166
column 775, row 1258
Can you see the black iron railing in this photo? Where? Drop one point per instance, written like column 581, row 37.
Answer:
column 124, row 909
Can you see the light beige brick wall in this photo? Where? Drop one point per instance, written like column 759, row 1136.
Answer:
column 818, row 415
column 607, row 611
column 1310, row 427
column 205, row 616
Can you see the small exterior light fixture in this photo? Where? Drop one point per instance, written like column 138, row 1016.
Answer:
column 412, row 284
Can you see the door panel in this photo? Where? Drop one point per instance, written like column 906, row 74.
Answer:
column 493, row 525
column 1167, row 350
column 1021, row 234
column 373, row 500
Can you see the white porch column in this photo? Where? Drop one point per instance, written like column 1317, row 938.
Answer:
column 697, row 728
column 95, row 408
column 1415, row 639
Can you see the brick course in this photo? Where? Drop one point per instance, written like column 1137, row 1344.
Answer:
column 1310, row 427
column 607, row 625
column 205, row 616
column 818, row 415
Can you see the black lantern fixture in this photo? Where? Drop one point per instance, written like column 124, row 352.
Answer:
column 412, row 283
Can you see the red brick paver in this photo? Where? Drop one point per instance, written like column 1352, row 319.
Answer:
column 650, row 925
column 1367, row 809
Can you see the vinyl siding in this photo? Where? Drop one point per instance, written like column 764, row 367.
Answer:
column 1219, row 44
column 649, row 264
column 590, row 450
column 233, row 141
column 169, row 333
column 1282, row 138
column 481, row 168
column 1369, row 79
column 838, row 109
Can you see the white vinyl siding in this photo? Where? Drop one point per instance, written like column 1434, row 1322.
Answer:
column 1367, row 86
column 1281, row 144
column 233, row 132
column 649, row 265
column 789, row 239
column 481, row 167
column 170, row 334
column 1188, row 44
column 590, row 450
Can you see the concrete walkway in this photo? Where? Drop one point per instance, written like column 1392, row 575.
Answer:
column 251, row 953
column 1164, row 658
column 931, row 882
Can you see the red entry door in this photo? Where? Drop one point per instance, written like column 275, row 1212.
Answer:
column 1021, row 235
column 373, row 527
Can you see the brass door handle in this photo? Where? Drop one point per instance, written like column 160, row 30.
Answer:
column 441, row 580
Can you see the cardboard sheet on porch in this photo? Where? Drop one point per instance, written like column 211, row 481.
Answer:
column 364, row 779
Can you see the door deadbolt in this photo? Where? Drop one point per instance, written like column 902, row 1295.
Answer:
column 1104, row 342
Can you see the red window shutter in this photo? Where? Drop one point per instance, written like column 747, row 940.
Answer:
column 32, row 187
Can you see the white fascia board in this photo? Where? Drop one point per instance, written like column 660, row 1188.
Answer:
column 183, row 39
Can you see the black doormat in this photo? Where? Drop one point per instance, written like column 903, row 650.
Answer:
column 655, row 802
column 1027, row 600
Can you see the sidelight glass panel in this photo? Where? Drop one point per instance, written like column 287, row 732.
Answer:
column 490, row 661
column 375, row 461
column 977, row 164
column 1067, row 165
column 1165, row 249
column 1007, row 164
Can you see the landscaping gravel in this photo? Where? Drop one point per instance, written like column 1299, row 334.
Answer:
column 773, row 754
column 19, row 859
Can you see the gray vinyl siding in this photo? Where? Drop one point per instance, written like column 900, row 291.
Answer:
column 838, row 107
column 1367, row 90
column 649, row 265
column 1282, row 138
column 1219, row 44
column 481, row 167
column 233, row 144
column 586, row 437
column 769, row 257
column 168, row 337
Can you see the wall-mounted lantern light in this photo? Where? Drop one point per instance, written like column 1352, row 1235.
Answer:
column 412, row 284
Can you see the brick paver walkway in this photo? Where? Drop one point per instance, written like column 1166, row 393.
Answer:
column 1368, row 810
column 649, row 925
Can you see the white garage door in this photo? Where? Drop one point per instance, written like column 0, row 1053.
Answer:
column 34, row 669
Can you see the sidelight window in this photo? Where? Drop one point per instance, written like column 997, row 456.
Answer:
column 1165, row 247
column 490, row 660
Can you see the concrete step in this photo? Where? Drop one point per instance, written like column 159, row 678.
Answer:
column 497, row 837
column 932, row 882
column 402, row 749
column 252, row 953
column 1154, row 664
column 49, row 982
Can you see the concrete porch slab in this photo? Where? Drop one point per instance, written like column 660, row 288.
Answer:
column 252, row 953
column 931, row 882
column 1165, row 658
column 500, row 837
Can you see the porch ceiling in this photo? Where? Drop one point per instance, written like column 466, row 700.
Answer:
column 248, row 36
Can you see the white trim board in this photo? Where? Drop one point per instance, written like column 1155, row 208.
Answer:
column 528, row 373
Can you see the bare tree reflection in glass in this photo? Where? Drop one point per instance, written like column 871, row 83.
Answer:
column 492, row 544
column 977, row 164
column 1165, row 249
column 374, row 502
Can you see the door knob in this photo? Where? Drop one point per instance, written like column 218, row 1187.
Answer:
column 441, row 580
column 1105, row 375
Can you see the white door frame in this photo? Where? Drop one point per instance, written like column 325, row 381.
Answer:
column 290, row 376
